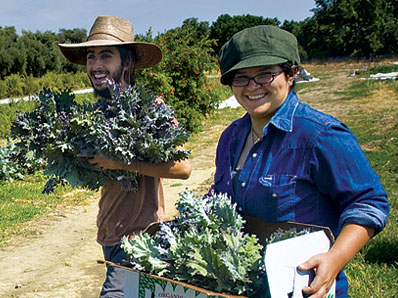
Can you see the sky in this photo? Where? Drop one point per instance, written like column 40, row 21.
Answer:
column 159, row 15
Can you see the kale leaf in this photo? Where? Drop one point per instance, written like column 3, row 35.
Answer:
column 129, row 126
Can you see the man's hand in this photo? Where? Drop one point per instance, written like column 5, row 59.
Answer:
column 101, row 162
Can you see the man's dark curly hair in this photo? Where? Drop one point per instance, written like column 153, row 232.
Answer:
column 127, row 55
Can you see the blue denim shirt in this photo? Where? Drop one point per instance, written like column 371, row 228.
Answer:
column 307, row 167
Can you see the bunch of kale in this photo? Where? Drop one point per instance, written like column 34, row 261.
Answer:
column 204, row 246
column 129, row 126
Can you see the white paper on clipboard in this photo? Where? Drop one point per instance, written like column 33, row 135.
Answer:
column 282, row 259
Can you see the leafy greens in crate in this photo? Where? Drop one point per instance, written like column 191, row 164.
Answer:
column 204, row 246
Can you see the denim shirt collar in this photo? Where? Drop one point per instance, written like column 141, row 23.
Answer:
column 283, row 118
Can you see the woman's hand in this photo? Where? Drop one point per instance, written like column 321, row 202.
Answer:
column 327, row 265
column 326, row 269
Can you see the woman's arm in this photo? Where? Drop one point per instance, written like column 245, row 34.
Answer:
column 327, row 265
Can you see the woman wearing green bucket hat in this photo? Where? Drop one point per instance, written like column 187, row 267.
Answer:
column 284, row 161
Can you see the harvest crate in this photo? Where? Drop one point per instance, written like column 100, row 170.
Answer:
column 281, row 259
column 143, row 285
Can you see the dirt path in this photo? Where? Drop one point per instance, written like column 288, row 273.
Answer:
column 62, row 260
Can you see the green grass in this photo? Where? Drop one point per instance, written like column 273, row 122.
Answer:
column 367, row 279
column 357, row 89
column 23, row 201
column 374, row 121
column 215, row 123
column 384, row 69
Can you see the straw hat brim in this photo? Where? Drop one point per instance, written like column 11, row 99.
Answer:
column 147, row 54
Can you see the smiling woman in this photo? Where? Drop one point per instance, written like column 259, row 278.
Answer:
column 284, row 161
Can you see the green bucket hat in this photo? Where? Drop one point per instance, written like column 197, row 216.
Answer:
column 263, row 45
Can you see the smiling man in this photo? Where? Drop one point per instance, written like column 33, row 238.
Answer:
column 104, row 64
column 110, row 53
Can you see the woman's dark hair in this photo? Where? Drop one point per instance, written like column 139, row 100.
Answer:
column 290, row 70
column 127, row 55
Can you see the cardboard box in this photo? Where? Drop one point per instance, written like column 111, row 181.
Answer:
column 143, row 285
column 281, row 259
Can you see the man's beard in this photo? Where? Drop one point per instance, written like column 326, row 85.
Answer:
column 116, row 76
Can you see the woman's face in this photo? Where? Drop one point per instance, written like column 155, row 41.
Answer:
column 261, row 101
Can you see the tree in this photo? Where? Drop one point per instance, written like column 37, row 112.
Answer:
column 52, row 59
column 35, row 53
column 355, row 28
column 305, row 33
column 11, row 59
column 76, row 35
column 226, row 26
column 180, row 78
column 200, row 30
column 389, row 29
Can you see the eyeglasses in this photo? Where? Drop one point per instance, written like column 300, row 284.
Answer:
column 264, row 78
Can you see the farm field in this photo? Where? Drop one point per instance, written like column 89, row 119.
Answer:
column 55, row 254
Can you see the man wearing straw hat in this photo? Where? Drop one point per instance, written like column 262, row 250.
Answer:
column 110, row 53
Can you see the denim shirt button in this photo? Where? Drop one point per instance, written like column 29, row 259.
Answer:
column 254, row 155
column 240, row 209
column 274, row 195
column 227, row 182
column 243, row 184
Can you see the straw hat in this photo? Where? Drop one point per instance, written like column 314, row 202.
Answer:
column 113, row 31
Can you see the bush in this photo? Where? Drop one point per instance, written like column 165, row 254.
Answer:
column 15, row 86
column 19, row 86
column 60, row 82
column 9, row 170
column 180, row 78
column 8, row 112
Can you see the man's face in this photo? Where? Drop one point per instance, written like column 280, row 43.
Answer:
column 103, row 64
